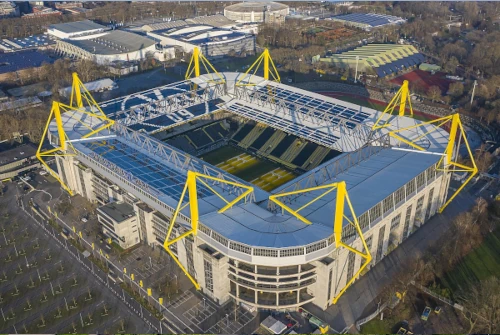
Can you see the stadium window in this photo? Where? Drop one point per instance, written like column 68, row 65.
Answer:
column 205, row 230
column 265, row 252
column 316, row 247
column 347, row 232
column 421, row 180
column 395, row 222
column 410, row 188
column 388, row 203
column 219, row 238
column 375, row 212
column 240, row 247
column 399, row 195
column 291, row 252
column 364, row 220
column 431, row 173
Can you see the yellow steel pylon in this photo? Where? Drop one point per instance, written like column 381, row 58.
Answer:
column 269, row 72
column 195, row 69
column 451, row 165
column 79, row 94
column 190, row 187
column 400, row 98
column 342, row 198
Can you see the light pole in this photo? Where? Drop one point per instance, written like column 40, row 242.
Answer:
column 356, row 74
column 473, row 92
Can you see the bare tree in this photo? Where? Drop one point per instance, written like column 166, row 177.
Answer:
column 434, row 93
column 482, row 306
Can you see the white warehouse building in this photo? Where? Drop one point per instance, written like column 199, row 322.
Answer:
column 76, row 30
column 255, row 250
column 116, row 45
column 212, row 41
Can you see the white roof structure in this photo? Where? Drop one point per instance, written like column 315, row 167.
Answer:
column 368, row 165
column 93, row 86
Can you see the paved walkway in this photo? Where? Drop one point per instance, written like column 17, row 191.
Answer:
column 359, row 299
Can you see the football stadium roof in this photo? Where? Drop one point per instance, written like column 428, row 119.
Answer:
column 156, row 172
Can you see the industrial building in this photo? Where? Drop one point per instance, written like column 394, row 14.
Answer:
column 32, row 42
column 17, row 160
column 301, row 232
column 267, row 12
column 74, row 30
column 382, row 59
column 214, row 42
column 108, row 47
column 22, row 61
column 8, row 9
column 368, row 21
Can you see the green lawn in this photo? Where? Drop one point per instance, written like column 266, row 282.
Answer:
column 480, row 264
column 221, row 155
column 377, row 326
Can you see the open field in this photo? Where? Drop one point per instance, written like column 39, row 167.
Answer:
column 264, row 174
column 480, row 264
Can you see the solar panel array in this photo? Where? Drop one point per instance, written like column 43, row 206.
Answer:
column 373, row 20
column 335, row 112
column 398, row 65
column 287, row 126
column 35, row 41
column 155, row 174
column 138, row 99
column 15, row 61
column 179, row 116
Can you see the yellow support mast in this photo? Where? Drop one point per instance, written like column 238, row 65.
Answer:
column 79, row 95
column 270, row 71
column 450, row 165
column 400, row 98
column 191, row 188
column 342, row 198
column 194, row 67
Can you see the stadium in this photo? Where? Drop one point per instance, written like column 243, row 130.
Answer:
column 264, row 193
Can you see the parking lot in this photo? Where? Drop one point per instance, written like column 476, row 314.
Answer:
column 43, row 289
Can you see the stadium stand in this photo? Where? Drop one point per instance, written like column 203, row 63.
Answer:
column 316, row 158
column 304, row 154
column 199, row 138
column 272, row 142
column 263, row 138
column 252, row 136
column 283, row 145
column 293, row 150
column 242, row 132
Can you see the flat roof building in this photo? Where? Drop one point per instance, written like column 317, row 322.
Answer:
column 19, row 159
column 368, row 21
column 108, row 47
column 213, row 42
column 119, row 222
column 76, row 29
column 21, row 61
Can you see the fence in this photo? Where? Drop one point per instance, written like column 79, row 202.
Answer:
column 437, row 296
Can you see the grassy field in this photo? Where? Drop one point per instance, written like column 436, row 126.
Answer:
column 480, row 264
column 264, row 174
